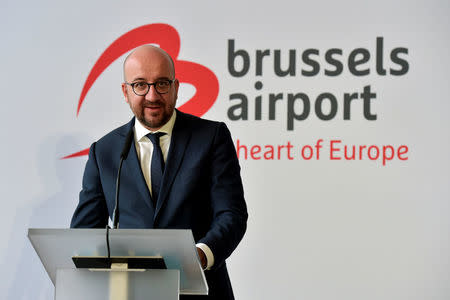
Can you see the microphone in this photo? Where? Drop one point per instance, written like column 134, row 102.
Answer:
column 126, row 146
column 123, row 156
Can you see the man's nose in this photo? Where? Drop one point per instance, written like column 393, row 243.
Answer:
column 152, row 93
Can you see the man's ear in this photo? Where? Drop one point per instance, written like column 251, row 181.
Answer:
column 124, row 91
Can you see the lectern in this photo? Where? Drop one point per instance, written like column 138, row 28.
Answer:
column 57, row 249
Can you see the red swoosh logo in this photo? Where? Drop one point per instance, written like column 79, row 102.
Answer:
column 167, row 37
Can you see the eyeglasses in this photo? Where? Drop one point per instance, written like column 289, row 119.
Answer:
column 141, row 88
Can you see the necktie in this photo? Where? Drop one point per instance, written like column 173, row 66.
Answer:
column 157, row 167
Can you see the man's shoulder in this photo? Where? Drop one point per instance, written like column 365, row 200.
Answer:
column 202, row 131
column 116, row 134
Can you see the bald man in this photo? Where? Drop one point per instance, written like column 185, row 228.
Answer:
column 181, row 172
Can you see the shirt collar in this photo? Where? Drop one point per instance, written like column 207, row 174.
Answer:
column 140, row 131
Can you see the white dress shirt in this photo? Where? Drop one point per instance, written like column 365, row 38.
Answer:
column 144, row 146
column 144, row 150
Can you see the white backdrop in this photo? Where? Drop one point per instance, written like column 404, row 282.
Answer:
column 318, row 229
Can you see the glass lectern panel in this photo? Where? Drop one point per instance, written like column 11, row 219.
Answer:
column 75, row 284
column 55, row 248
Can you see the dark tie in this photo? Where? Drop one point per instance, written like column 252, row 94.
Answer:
column 157, row 166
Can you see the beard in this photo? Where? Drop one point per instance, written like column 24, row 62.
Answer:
column 153, row 120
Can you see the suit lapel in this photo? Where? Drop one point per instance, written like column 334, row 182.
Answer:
column 132, row 169
column 180, row 138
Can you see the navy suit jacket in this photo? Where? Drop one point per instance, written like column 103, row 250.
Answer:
column 201, row 190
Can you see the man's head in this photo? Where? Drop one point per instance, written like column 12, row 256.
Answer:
column 150, row 64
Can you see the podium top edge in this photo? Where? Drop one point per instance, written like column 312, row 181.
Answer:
column 95, row 231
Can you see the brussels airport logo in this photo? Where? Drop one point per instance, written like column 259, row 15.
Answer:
column 203, row 79
column 261, row 99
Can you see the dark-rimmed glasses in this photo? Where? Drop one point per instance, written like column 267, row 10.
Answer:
column 141, row 88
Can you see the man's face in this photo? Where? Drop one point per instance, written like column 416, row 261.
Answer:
column 150, row 65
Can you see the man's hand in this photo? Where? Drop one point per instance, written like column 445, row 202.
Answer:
column 202, row 257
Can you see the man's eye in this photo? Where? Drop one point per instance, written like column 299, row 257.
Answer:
column 162, row 83
column 140, row 85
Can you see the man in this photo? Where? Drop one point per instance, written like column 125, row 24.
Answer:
column 190, row 179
